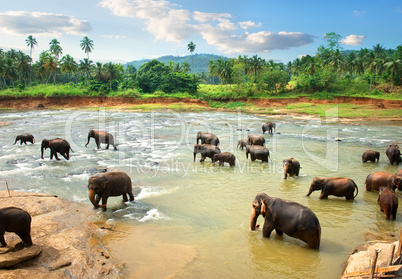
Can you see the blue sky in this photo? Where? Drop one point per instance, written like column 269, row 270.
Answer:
column 127, row 30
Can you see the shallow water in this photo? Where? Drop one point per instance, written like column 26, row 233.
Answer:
column 191, row 219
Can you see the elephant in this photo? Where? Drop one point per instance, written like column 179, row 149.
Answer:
column 206, row 150
column 101, row 137
column 286, row 217
column 109, row 184
column 290, row 166
column 254, row 139
column 377, row 179
column 370, row 155
column 388, row 202
column 394, row 154
column 224, row 157
column 257, row 153
column 336, row 186
column 24, row 138
column 242, row 143
column 56, row 145
column 270, row 127
column 207, row 138
column 17, row 220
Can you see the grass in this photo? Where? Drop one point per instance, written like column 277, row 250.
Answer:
column 181, row 107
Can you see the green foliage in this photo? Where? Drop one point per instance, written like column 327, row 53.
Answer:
column 229, row 105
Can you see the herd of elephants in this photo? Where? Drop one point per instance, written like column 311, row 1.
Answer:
column 283, row 216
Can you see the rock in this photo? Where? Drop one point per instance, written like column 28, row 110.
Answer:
column 18, row 255
column 59, row 263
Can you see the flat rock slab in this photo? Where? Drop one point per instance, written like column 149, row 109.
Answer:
column 17, row 255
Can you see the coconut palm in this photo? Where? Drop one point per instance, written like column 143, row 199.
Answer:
column 256, row 65
column 212, row 70
column 31, row 42
column 22, row 63
column 87, row 45
column 191, row 47
column 112, row 72
column 98, row 71
column 394, row 65
column 51, row 65
column 68, row 65
column 55, row 48
column 86, row 67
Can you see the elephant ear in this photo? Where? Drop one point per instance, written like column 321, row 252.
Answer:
column 263, row 207
column 103, row 184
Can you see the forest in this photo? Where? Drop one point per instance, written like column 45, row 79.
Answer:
column 331, row 71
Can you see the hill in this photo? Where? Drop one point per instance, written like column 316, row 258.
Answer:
column 200, row 61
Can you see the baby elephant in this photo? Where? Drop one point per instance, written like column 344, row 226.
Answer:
column 224, row 157
column 242, row 143
column 290, row 166
column 388, row 202
column 336, row 186
column 24, row 138
column 101, row 137
column 16, row 220
column 370, row 155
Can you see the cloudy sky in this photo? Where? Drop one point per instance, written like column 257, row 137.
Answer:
column 126, row 30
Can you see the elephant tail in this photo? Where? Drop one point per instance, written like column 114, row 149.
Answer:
column 71, row 150
column 357, row 189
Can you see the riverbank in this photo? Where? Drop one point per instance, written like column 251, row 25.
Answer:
column 69, row 235
column 357, row 108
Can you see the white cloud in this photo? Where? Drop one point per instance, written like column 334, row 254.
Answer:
column 249, row 24
column 169, row 22
column 41, row 24
column 116, row 37
column 357, row 13
column 353, row 40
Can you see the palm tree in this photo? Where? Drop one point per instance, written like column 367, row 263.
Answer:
column 394, row 65
column 68, row 65
column 224, row 71
column 191, row 47
column 31, row 42
column 87, row 45
column 212, row 70
column 86, row 67
column 186, row 67
column 256, row 65
column 351, row 62
column 111, row 72
column 98, row 71
column 22, row 62
column 51, row 65
column 10, row 72
column 55, row 48
column 370, row 63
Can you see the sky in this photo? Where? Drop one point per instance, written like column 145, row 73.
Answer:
column 127, row 30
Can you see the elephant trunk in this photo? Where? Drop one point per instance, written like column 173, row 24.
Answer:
column 91, row 195
column 310, row 191
column 285, row 171
column 253, row 219
column 89, row 137
column 42, row 148
column 195, row 154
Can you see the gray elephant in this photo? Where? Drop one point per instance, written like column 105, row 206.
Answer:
column 242, row 143
column 224, row 157
column 207, row 138
column 109, row 184
column 101, row 137
column 336, row 186
column 286, row 217
column 290, row 166
column 257, row 152
column 270, row 127
column 24, row 138
column 254, row 139
column 388, row 202
column 18, row 221
column 394, row 154
column 370, row 155
column 56, row 146
column 206, row 150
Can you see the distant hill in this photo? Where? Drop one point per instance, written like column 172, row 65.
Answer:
column 200, row 61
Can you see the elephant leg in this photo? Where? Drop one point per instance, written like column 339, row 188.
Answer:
column 114, row 146
column 104, row 202
column 131, row 196
column 65, row 155
column 221, row 163
column 107, row 146
column 323, row 195
column 55, row 155
column 203, row 157
column 267, row 229
column 97, row 143
column 279, row 232
column 125, row 199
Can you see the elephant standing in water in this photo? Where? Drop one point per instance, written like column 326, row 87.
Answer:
column 394, row 154
column 254, row 139
column 242, row 143
column 286, row 217
column 270, row 127
column 336, row 186
column 207, row 138
column 290, row 166
column 24, row 138
column 16, row 220
column 377, row 179
column 109, row 184
column 370, row 155
column 101, row 137
column 388, row 202
column 257, row 152
column 224, row 157
column 206, row 150
column 56, row 146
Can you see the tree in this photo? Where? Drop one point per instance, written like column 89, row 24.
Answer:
column 51, row 65
column 333, row 40
column 191, row 47
column 87, row 45
column 68, row 65
column 86, row 67
column 112, row 72
column 55, row 48
column 31, row 42
column 256, row 65
column 212, row 70
column 394, row 65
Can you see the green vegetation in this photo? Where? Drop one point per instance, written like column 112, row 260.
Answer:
column 331, row 72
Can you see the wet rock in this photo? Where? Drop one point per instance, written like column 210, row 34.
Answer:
column 19, row 254
column 41, row 106
column 59, row 263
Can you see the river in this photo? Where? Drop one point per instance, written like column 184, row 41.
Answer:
column 191, row 219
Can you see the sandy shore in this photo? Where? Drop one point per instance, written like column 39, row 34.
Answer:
column 69, row 234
